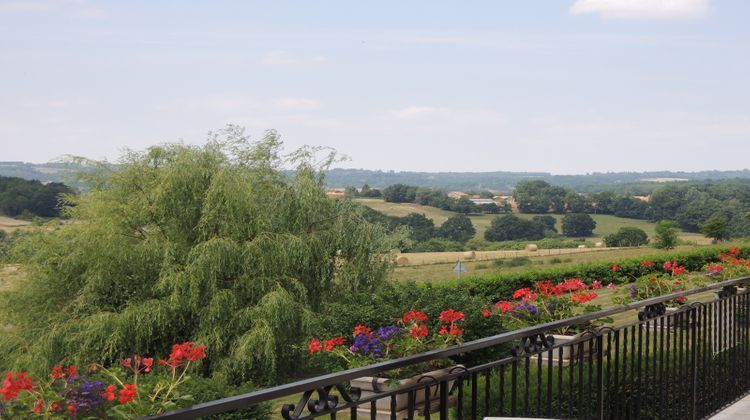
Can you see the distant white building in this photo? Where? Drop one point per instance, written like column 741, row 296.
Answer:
column 482, row 201
column 457, row 194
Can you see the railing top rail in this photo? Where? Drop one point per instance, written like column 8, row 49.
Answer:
column 248, row 399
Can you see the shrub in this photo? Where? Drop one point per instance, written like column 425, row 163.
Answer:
column 511, row 227
column 578, row 224
column 627, row 236
column 519, row 261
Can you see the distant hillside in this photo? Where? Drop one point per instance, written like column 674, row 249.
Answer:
column 505, row 181
column 634, row 182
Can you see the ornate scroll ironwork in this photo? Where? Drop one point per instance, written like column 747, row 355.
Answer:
column 532, row 344
column 652, row 311
column 325, row 401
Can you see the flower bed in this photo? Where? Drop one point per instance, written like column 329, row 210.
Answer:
column 137, row 387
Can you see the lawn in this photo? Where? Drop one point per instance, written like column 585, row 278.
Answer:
column 605, row 224
column 9, row 224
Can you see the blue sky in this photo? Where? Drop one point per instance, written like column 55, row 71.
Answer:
column 564, row 86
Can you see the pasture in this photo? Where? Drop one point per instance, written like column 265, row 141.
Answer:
column 9, row 224
column 605, row 223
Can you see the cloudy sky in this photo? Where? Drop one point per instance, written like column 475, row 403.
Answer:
column 564, row 86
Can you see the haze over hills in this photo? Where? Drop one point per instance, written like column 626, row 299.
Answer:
column 497, row 181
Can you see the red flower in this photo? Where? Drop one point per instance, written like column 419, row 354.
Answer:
column 38, row 406
column 681, row 299
column 452, row 330
column 361, row 329
column 611, row 286
column 126, row 363
column 451, row 316
column 677, row 270
column 615, row 267
column 334, row 342
column 181, row 352
column 668, row 265
column 57, row 373
column 109, row 393
column 12, row 387
column 677, row 282
column 520, row 293
column 414, row 316
column 418, row 331
column 647, row 263
column 314, row 347
column 71, row 370
column 716, row 268
column 504, row 306
column 571, row 285
column 72, row 409
column 486, row 312
column 583, row 297
column 147, row 363
column 127, row 393
column 597, row 284
column 735, row 251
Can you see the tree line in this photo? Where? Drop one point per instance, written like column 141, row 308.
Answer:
column 21, row 197
column 403, row 193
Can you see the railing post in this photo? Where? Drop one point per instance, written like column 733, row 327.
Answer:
column 693, row 350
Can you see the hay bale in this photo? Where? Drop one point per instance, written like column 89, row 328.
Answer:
column 582, row 247
column 470, row 255
column 402, row 260
column 599, row 245
column 531, row 248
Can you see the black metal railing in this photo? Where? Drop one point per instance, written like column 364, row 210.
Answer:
column 671, row 363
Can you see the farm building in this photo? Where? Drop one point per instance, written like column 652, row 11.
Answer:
column 482, row 201
column 457, row 194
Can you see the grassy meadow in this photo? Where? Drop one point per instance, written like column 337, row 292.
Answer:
column 605, row 223
column 8, row 224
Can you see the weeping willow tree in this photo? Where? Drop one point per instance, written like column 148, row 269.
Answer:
column 214, row 244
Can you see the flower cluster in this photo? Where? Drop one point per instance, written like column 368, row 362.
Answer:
column 546, row 301
column 674, row 268
column 100, row 392
column 408, row 335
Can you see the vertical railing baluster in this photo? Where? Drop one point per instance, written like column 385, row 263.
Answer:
column 693, row 364
column 526, row 386
column 427, row 402
column 639, row 380
column 581, row 354
column 411, row 405
column 513, row 390
column 393, row 407
column 617, row 393
column 538, row 384
column 502, row 390
column 474, row 395
column 487, row 389
column 600, row 376
column 549, row 382
column 443, row 400
column 373, row 410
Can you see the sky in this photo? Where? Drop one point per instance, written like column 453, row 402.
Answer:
column 560, row 86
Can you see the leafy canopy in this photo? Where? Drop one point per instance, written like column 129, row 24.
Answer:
column 213, row 244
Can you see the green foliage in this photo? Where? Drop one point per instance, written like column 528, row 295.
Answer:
column 549, row 222
column 457, row 228
column 399, row 193
column 510, row 227
column 22, row 197
column 578, row 225
column 212, row 244
column 666, row 234
column 518, row 262
column 420, row 227
column 627, row 236
column 717, row 228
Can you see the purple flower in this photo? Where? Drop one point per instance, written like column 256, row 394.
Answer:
column 86, row 395
column 528, row 307
column 387, row 332
column 633, row 290
column 366, row 345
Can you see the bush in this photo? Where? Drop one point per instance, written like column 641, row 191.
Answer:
column 578, row 225
column 519, row 261
column 627, row 236
column 510, row 227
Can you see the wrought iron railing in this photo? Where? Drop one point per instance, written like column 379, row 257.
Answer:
column 684, row 363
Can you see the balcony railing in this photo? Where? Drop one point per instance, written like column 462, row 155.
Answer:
column 687, row 363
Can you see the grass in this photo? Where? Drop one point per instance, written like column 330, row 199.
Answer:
column 442, row 272
column 605, row 223
column 9, row 224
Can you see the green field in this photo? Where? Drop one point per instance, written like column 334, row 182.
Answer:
column 605, row 224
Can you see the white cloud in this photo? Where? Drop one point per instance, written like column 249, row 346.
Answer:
column 643, row 9
column 440, row 115
column 297, row 104
column 284, row 58
column 70, row 8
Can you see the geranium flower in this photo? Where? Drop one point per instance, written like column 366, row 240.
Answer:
column 127, row 393
column 596, row 284
column 414, row 316
column 14, row 383
column 611, row 286
column 334, row 342
column 486, row 313
column 615, row 267
column 583, row 297
column 57, row 373
column 361, row 329
column 450, row 316
column 715, row 268
column 314, row 347
column 520, row 293
column 647, row 264
column 109, row 393
column 418, row 331
column 504, row 306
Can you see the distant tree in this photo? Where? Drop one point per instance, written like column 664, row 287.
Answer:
column 549, row 222
column 510, row 228
column 400, row 193
column 464, row 205
column 717, row 228
column 627, row 206
column 577, row 203
column 603, row 202
column 627, row 236
column 457, row 228
column 578, row 225
column 489, row 208
column 421, row 228
column 666, row 234
column 351, row 192
column 531, row 196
